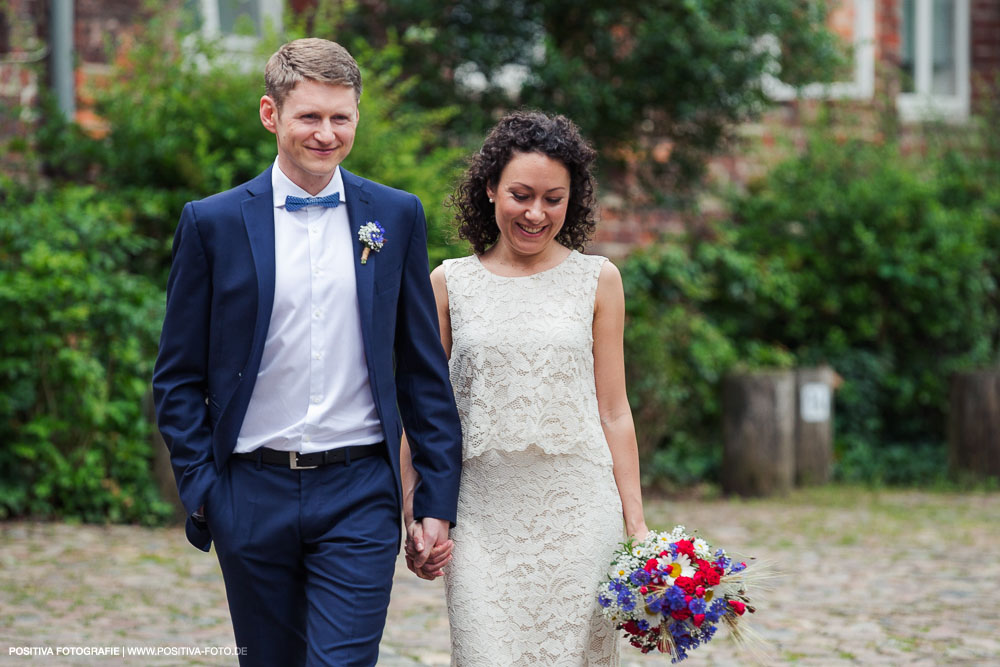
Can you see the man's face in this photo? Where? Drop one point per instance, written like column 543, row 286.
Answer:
column 315, row 130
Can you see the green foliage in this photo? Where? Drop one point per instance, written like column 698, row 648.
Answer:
column 850, row 254
column 685, row 71
column 82, row 269
column 894, row 281
column 677, row 347
column 403, row 147
column 184, row 124
column 79, row 334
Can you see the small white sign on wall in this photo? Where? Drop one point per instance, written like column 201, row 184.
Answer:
column 814, row 402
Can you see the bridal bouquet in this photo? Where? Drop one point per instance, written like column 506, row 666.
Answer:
column 670, row 592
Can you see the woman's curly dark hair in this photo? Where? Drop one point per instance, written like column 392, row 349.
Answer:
column 527, row 132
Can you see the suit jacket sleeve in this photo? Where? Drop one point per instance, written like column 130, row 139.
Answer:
column 180, row 376
column 425, row 397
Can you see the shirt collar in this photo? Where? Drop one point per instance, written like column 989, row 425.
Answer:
column 283, row 186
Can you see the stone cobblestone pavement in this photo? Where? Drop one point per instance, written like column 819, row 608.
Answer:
column 870, row 578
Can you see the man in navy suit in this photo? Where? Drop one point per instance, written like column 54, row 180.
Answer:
column 300, row 336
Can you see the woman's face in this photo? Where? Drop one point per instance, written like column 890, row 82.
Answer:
column 530, row 202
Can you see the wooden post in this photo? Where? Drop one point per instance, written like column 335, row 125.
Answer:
column 814, row 424
column 974, row 423
column 758, row 433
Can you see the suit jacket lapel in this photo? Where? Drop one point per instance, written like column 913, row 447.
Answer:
column 258, row 216
column 359, row 212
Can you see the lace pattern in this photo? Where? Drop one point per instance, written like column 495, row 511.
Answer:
column 534, row 538
column 539, row 514
column 522, row 363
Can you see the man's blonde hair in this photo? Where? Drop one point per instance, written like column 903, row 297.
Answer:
column 310, row 58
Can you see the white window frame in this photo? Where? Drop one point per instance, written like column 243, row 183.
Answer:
column 270, row 11
column 860, row 87
column 922, row 104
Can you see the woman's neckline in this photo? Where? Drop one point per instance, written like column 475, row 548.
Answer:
column 529, row 275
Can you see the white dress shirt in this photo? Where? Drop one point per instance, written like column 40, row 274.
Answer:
column 312, row 391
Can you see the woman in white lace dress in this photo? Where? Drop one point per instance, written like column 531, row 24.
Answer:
column 550, row 473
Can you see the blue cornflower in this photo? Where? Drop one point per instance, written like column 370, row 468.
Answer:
column 738, row 567
column 626, row 601
column 716, row 610
column 675, row 597
column 616, row 586
column 643, row 624
column 697, row 606
column 640, row 577
column 603, row 600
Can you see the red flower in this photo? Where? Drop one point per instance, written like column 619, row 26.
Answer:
column 697, row 619
column 738, row 606
column 699, row 591
column 686, row 583
column 632, row 628
column 651, row 565
column 685, row 547
column 710, row 574
column 681, row 614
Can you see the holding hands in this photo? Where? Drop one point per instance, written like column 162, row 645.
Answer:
column 428, row 548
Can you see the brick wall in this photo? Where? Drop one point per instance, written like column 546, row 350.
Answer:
column 780, row 131
column 102, row 25
column 984, row 41
column 22, row 63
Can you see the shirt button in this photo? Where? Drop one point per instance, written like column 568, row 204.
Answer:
column 306, row 439
column 317, row 399
column 317, row 314
column 317, row 356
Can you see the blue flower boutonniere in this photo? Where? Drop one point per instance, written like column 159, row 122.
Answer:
column 372, row 235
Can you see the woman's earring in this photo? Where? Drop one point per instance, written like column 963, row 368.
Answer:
column 491, row 200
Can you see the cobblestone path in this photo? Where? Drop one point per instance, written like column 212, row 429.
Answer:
column 870, row 578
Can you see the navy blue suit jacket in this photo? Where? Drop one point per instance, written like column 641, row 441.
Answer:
column 219, row 298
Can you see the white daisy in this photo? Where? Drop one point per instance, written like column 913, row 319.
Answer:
column 678, row 567
column 678, row 533
column 701, row 549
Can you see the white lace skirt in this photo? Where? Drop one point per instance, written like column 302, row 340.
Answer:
column 534, row 539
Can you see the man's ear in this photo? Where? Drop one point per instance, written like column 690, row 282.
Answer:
column 269, row 114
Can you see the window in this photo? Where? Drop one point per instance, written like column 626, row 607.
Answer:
column 934, row 59
column 240, row 22
column 854, row 21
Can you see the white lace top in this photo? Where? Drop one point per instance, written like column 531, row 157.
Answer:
column 540, row 390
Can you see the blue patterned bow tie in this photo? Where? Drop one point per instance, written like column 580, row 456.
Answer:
column 295, row 203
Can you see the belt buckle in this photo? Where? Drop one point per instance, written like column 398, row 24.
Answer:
column 293, row 462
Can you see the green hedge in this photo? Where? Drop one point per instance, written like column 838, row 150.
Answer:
column 79, row 334
column 83, row 267
column 880, row 264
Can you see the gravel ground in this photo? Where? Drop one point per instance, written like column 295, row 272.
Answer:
column 890, row 578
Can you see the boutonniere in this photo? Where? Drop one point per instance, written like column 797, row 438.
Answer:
column 372, row 235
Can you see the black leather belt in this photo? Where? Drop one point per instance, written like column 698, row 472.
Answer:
column 298, row 461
